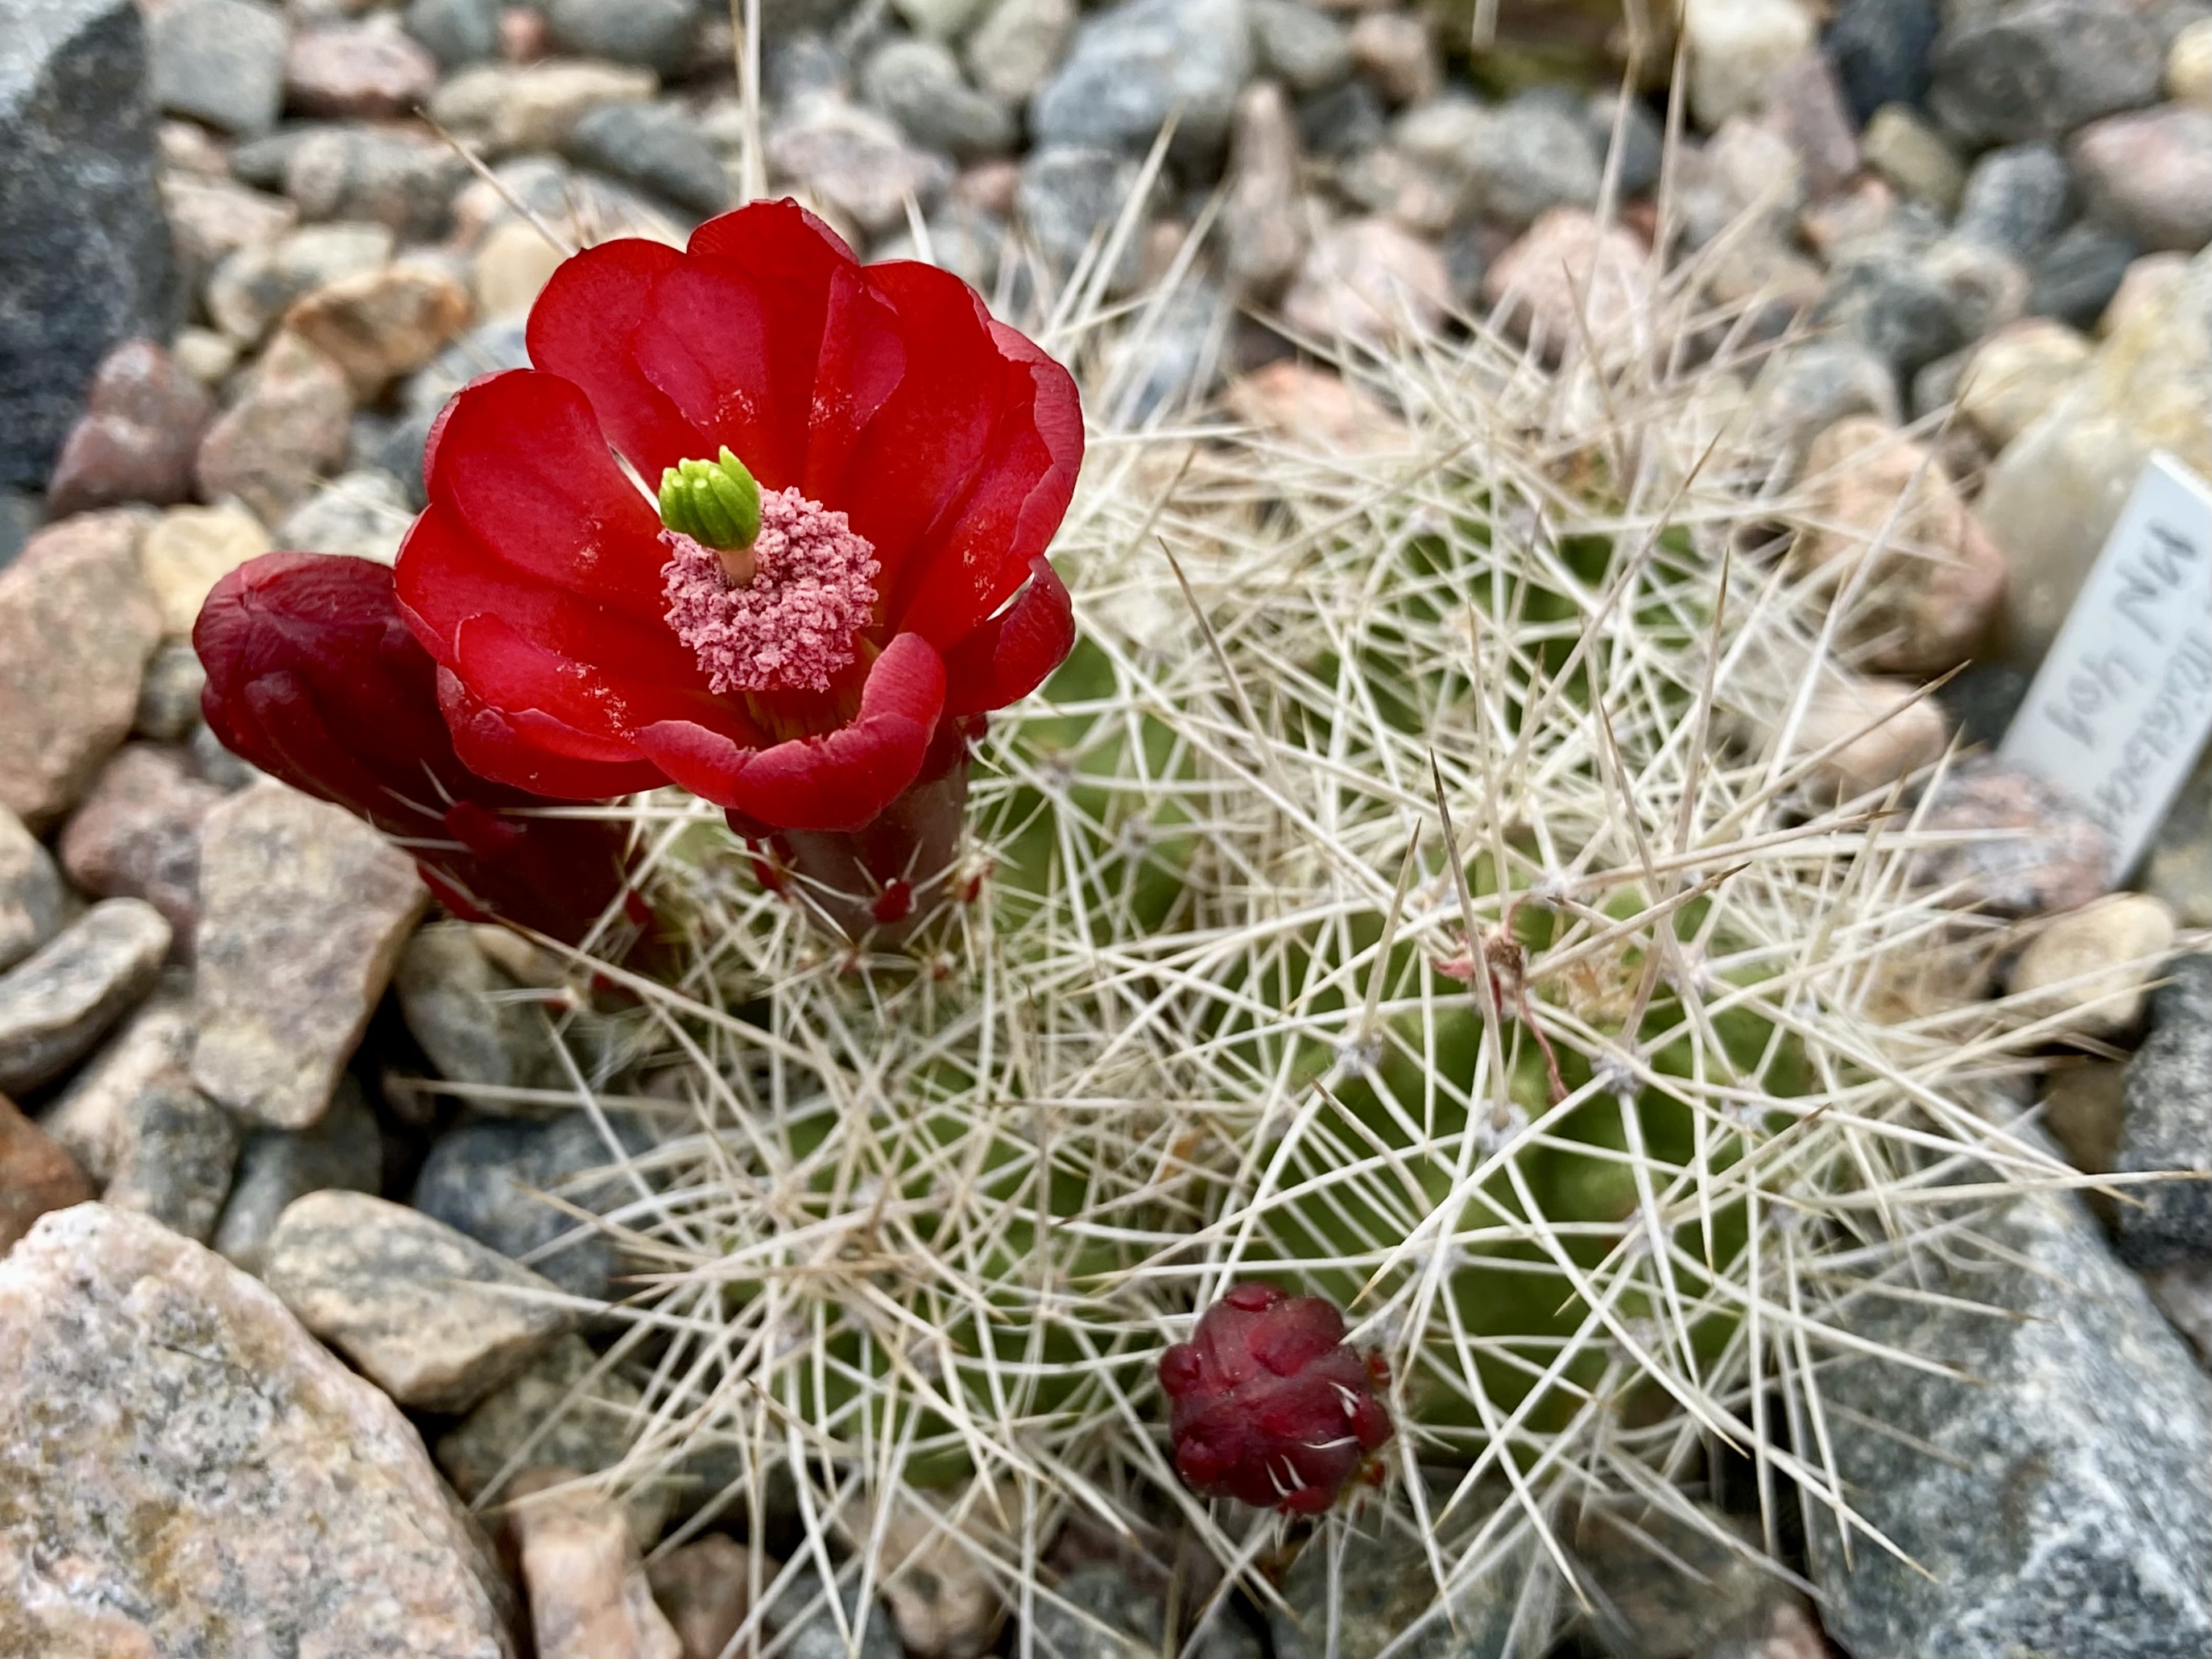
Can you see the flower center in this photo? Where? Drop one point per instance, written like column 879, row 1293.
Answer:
column 791, row 626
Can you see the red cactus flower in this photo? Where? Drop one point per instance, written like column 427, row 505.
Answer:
column 315, row 678
column 792, row 659
column 1270, row 1407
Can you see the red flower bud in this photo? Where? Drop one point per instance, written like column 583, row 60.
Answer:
column 1270, row 1406
column 315, row 678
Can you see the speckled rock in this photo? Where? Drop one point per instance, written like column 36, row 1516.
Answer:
column 1017, row 45
column 364, row 514
column 486, row 1178
column 1736, row 47
column 386, row 175
column 256, row 284
column 303, row 911
column 510, row 108
column 380, row 325
column 1067, row 195
column 92, row 1120
column 2015, row 198
column 1131, row 65
column 2017, row 373
column 187, row 550
column 31, row 906
column 142, row 420
column 213, row 1480
column 581, row 1575
column 428, row 1314
column 462, row 1006
column 220, row 62
column 1102, row 1611
column 654, row 34
column 37, row 1176
column 178, row 1150
column 656, row 147
column 1644, row 1602
column 1567, row 271
column 342, row 1151
column 2056, row 1495
column 2041, row 68
column 1368, row 280
column 919, row 84
column 76, row 629
column 138, row 834
column 2013, row 843
column 1387, row 1597
column 2169, row 1125
column 58, row 1003
column 287, row 427
column 1263, row 229
column 856, row 163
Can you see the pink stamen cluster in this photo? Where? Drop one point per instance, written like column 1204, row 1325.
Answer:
column 791, row 627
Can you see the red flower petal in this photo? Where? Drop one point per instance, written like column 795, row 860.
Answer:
column 524, row 752
column 836, row 782
column 1010, row 656
column 581, row 329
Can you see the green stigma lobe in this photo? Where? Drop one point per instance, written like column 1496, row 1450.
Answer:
column 716, row 503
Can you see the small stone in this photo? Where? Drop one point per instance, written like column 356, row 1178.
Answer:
column 705, row 1587
column 2179, row 870
column 143, row 419
column 1304, row 49
column 217, row 765
column 2093, row 967
column 1315, row 405
column 855, row 162
column 656, row 147
column 178, row 1149
column 375, row 174
column 1415, row 195
column 2019, row 846
column 653, row 35
column 1568, row 272
column 2189, row 64
column 514, row 265
column 2019, row 372
column 1018, row 45
column 187, row 550
column 1667, row 1584
column 220, row 62
column 1393, row 53
column 1345, row 124
column 1808, row 107
column 356, row 71
column 508, row 108
column 92, row 1120
column 943, row 1602
column 287, row 427
column 2041, row 68
column 919, row 85
column 1882, row 732
column 2142, row 289
column 428, row 1314
column 2074, row 278
column 961, row 239
column 1367, row 280
column 1512, row 164
column 58, row 1003
column 1807, row 388
column 303, row 911
column 1068, row 197
column 342, row 1153
column 76, row 629
column 939, row 20
column 467, row 1012
column 1356, row 1604
column 1892, row 299
column 2051, row 1493
column 802, row 1610
column 2184, row 1295
column 1900, row 145
column 581, row 1573
column 491, row 1180
column 205, row 356
column 36, row 1175
column 382, row 324
column 31, row 903
column 138, row 834
column 2149, row 175
column 213, row 219
column 457, row 32
column 363, row 514
column 2169, row 1125
column 2015, row 198
column 1881, row 49
column 2082, row 1110
column 1627, row 125
column 169, row 698
column 145, row 1383
column 1263, row 230
column 1131, row 67
column 1736, row 47
column 1747, row 179
column 256, row 285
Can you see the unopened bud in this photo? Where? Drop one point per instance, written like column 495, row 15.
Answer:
column 716, row 503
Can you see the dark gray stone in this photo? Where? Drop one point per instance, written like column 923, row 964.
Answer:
column 2042, row 68
column 1129, row 67
column 1306, row 49
column 1643, row 141
column 919, row 85
column 802, row 1603
column 802, row 66
column 1879, row 48
column 1385, row 1596
column 2169, row 1126
column 1176, row 355
column 1672, row 1583
column 484, row 1179
column 2077, row 276
column 1068, row 196
column 176, row 1153
column 85, row 261
column 61, row 1000
column 1344, row 121
column 1887, row 300
column 1102, row 1612
column 343, row 1150
column 403, row 180
column 2060, row 1501
column 655, row 147
column 220, row 62
column 21, row 512
column 456, row 31
column 465, row 1013
column 654, row 34
column 2015, row 198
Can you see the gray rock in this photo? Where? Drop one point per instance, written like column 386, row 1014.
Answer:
column 1806, row 389
column 403, row 180
column 1102, row 1612
column 2074, row 278
column 484, row 349
column 2015, row 198
column 363, row 513
column 2180, row 868
column 467, row 1012
column 1133, row 65
column 1018, row 45
column 2184, row 1295
column 656, row 147
column 1661, row 1585
column 303, row 911
column 963, row 241
column 257, row 284
column 1385, row 1596
column 1513, row 163
column 1344, row 122
column 492, row 1181
column 802, row 1610
column 2059, row 1502
column 220, row 62
column 216, row 1481
column 804, row 65
column 1304, row 49
column 2041, row 68
column 1642, row 140
column 1887, row 298
column 178, row 1149
column 456, row 33
column 85, row 259
column 1879, row 48
column 428, row 1314
column 92, row 1120
column 344, row 1151
column 856, row 161
column 1173, row 357
column 216, row 764
column 21, row 512
column 1069, row 196
column 2169, row 1126
column 57, row 1004
column 288, row 426
column 654, row 34
column 169, row 696
column 31, row 905
column 919, row 85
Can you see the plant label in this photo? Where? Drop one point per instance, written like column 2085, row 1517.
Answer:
column 2120, row 710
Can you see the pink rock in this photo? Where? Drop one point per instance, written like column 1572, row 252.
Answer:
column 1368, row 280
column 525, row 36
column 142, row 423
column 2150, row 172
column 1568, row 272
column 357, row 71
column 2025, row 847
column 288, row 429
column 138, row 834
